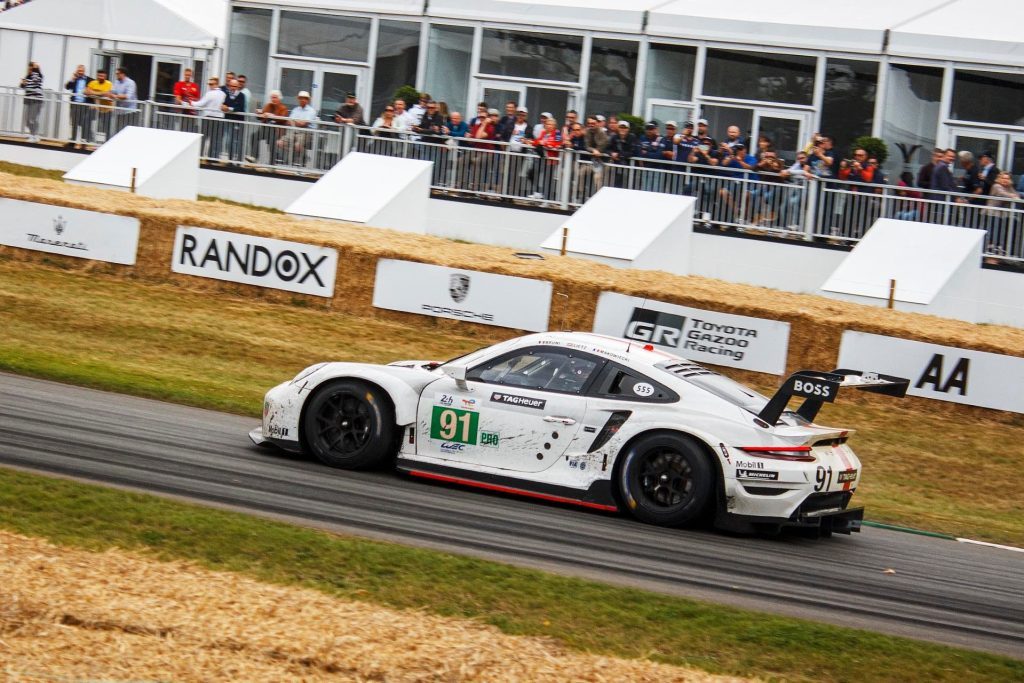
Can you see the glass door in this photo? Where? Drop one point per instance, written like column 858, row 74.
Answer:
column 334, row 86
column 669, row 110
column 1015, row 158
column 978, row 141
column 788, row 131
column 327, row 86
column 538, row 99
column 497, row 93
column 167, row 74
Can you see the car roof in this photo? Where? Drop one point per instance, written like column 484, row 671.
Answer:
column 623, row 350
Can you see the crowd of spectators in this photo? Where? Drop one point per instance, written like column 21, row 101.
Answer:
column 11, row 4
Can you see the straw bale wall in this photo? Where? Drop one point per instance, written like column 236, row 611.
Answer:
column 816, row 323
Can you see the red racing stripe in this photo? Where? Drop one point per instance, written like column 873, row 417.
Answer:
column 514, row 491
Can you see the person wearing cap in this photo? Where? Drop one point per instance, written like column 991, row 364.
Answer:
column 302, row 119
column 549, row 146
column 539, row 126
column 650, row 153
column 685, row 141
column 702, row 132
column 622, row 147
column 595, row 142
column 987, row 172
column 350, row 112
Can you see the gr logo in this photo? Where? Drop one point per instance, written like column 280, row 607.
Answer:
column 656, row 327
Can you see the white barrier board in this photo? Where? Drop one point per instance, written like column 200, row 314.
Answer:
column 923, row 258
column 943, row 373
column 251, row 260
column 166, row 163
column 735, row 341
column 375, row 190
column 630, row 229
column 469, row 295
column 69, row 232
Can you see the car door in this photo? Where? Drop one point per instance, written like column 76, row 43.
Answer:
column 519, row 411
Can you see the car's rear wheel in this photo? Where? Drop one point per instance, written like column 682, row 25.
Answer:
column 666, row 479
column 350, row 424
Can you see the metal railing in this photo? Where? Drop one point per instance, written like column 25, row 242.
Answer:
column 794, row 207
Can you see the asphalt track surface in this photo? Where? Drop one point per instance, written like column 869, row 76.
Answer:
column 940, row 590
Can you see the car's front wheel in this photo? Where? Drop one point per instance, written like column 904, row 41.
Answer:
column 666, row 479
column 350, row 424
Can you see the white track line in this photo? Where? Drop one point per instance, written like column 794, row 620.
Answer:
column 990, row 545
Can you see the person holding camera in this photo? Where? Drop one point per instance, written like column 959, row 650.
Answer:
column 819, row 156
column 32, row 84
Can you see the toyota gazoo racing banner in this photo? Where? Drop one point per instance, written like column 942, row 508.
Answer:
column 251, row 260
column 487, row 298
column 943, row 373
column 736, row 341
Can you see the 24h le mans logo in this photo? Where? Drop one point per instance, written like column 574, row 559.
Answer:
column 458, row 287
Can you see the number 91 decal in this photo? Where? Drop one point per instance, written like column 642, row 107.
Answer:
column 452, row 424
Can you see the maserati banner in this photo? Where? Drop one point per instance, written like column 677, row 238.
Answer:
column 69, row 232
column 486, row 298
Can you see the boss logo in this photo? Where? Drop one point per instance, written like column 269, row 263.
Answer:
column 656, row 327
column 812, row 389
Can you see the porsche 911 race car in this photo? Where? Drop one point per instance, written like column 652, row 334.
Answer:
column 580, row 418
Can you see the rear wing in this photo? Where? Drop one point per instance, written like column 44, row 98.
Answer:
column 818, row 388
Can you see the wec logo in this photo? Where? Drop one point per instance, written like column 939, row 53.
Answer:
column 656, row 327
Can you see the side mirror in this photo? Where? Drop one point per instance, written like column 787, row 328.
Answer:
column 457, row 373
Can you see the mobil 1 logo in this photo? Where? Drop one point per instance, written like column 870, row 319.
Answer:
column 656, row 327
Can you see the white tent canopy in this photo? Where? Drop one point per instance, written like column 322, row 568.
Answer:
column 551, row 15
column 136, row 21
column 964, row 30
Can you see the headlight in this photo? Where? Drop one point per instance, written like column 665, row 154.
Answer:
column 307, row 372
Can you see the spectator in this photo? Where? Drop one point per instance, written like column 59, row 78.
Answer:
column 481, row 112
column 209, row 108
column 622, row 147
column 482, row 160
column 243, row 80
column 685, row 142
column 386, row 129
column 418, row 110
column 612, row 125
column 234, row 109
column 576, row 141
column 649, row 149
column 858, row 171
column 999, row 216
column 595, row 140
column 456, row 127
column 766, row 198
column 733, row 137
column 909, row 206
column 571, row 119
column 942, row 174
column 702, row 132
column 302, row 120
column 971, row 181
column 548, row 145
column 430, row 124
column 507, row 122
column 820, row 158
column 274, row 116
column 32, row 84
column 402, row 115
column 186, row 91
column 80, row 110
column 924, row 174
column 799, row 173
column 521, row 132
column 987, row 172
column 668, row 142
column 539, row 127
column 351, row 112
column 228, row 77
column 127, row 97
column 99, row 90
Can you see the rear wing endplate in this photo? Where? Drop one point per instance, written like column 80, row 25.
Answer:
column 818, row 388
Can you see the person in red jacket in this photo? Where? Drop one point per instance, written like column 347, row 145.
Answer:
column 549, row 147
column 483, row 159
column 186, row 91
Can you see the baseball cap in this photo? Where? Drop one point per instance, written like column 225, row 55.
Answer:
column 545, row 115
column 688, row 124
column 350, row 94
column 522, row 110
column 303, row 93
column 670, row 124
column 600, row 117
column 650, row 124
column 493, row 112
column 702, row 122
column 986, row 153
column 623, row 123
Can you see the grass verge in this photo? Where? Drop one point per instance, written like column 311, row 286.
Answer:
column 585, row 615
column 162, row 341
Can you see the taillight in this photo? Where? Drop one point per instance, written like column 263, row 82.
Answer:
column 791, row 453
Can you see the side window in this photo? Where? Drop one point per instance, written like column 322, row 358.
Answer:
column 544, row 369
column 624, row 384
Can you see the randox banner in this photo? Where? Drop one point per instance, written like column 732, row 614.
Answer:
column 251, row 260
column 486, row 298
column 69, row 232
column 943, row 373
column 735, row 341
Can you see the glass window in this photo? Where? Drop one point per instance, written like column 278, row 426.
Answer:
column 670, row 72
column 449, row 52
column 326, row 36
column 619, row 383
column 398, row 49
column 248, row 48
column 546, row 56
column 760, row 76
column 612, row 77
column 989, row 97
column 911, row 115
column 848, row 108
column 545, row 369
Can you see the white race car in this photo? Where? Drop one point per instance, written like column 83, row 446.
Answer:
column 597, row 421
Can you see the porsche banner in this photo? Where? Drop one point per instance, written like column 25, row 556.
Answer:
column 735, row 341
column 469, row 295
column 943, row 373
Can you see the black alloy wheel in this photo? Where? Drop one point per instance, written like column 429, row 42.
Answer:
column 350, row 424
column 666, row 479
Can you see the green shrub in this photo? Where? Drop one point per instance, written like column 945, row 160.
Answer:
column 875, row 147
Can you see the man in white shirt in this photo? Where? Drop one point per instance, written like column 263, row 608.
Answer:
column 209, row 108
column 302, row 119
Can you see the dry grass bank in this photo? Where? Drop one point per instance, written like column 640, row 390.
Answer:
column 68, row 614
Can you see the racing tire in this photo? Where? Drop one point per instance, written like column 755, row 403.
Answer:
column 666, row 479
column 351, row 425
